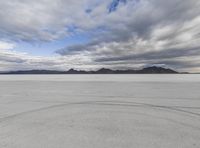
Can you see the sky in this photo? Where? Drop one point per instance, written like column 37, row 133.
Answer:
column 92, row 34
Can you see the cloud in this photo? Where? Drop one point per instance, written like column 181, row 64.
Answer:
column 146, row 32
column 43, row 20
column 6, row 45
column 123, row 33
column 11, row 61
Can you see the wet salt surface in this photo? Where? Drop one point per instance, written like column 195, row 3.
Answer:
column 95, row 111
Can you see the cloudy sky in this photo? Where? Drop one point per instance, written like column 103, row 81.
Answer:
column 91, row 34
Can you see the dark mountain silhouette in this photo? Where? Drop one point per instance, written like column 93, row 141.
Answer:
column 155, row 69
column 147, row 70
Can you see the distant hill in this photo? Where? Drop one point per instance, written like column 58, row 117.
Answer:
column 158, row 70
column 148, row 70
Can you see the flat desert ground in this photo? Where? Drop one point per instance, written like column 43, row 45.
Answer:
column 100, row 111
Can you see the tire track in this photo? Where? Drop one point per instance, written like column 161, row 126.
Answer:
column 109, row 103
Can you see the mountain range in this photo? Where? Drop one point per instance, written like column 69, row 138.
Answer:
column 147, row 70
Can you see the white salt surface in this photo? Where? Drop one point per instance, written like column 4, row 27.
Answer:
column 99, row 111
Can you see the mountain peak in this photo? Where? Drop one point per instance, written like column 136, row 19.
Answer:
column 155, row 69
column 147, row 70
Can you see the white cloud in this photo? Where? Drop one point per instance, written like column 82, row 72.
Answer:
column 6, row 45
column 11, row 60
column 41, row 20
column 141, row 32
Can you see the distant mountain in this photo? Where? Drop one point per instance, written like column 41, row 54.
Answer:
column 148, row 70
column 158, row 70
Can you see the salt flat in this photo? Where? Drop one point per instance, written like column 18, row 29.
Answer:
column 99, row 111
